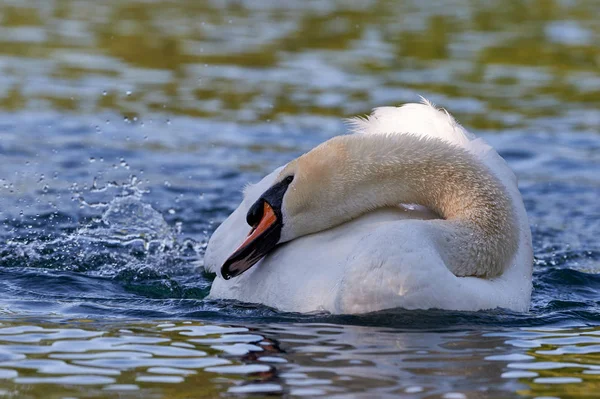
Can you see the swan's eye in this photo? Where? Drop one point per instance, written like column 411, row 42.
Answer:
column 289, row 179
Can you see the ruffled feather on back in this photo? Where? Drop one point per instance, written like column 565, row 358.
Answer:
column 422, row 119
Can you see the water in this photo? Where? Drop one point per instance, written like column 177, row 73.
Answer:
column 127, row 130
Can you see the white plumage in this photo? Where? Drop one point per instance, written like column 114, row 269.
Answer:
column 384, row 258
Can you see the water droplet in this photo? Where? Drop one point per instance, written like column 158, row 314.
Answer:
column 92, row 159
column 104, row 93
column 171, row 211
column 128, row 92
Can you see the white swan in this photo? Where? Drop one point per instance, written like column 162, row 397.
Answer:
column 330, row 234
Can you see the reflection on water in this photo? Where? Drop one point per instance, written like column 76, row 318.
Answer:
column 258, row 60
column 154, row 359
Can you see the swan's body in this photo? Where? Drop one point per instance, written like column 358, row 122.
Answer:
column 468, row 247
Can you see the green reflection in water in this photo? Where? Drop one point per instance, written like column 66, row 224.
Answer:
column 87, row 358
column 495, row 64
column 83, row 358
column 570, row 361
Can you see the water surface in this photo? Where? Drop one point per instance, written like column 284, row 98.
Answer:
column 128, row 129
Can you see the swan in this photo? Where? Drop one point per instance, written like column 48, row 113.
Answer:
column 408, row 211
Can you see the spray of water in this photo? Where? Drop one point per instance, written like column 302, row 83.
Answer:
column 128, row 241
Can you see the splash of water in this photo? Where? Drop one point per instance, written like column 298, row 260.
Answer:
column 129, row 221
column 129, row 242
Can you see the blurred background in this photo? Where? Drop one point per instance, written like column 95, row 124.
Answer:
column 129, row 128
column 497, row 64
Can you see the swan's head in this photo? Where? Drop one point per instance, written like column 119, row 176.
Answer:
column 301, row 201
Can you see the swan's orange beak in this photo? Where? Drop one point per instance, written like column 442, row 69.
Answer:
column 262, row 239
column 265, row 217
column 267, row 221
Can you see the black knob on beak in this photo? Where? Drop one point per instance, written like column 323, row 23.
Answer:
column 255, row 213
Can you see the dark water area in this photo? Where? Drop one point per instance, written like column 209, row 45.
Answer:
column 128, row 130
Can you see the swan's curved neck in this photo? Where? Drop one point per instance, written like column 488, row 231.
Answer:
column 478, row 235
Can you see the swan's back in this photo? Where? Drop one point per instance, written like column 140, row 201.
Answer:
column 419, row 119
column 427, row 121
